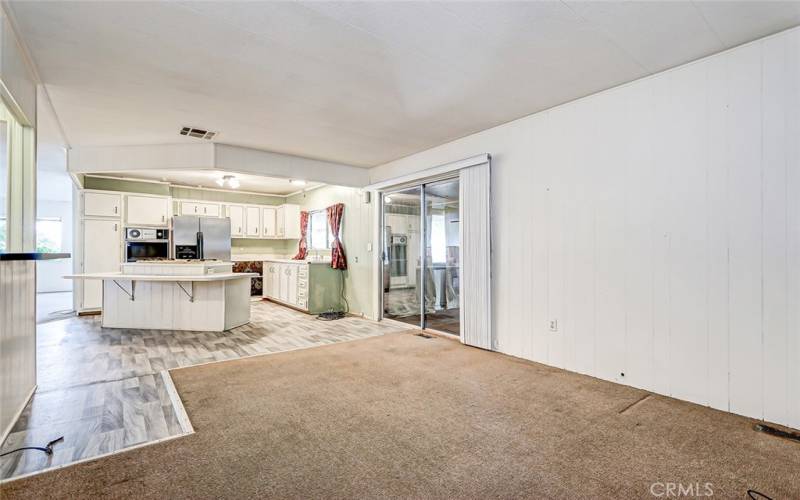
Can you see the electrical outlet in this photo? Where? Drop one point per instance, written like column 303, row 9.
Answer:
column 369, row 247
column 553, row 325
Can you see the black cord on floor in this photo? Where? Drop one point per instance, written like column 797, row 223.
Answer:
column 48, row 449
column 752, row 494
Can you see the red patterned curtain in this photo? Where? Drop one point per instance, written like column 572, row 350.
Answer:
column 302, row 246
column 338, row 259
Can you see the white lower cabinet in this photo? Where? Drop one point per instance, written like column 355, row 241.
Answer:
column 312, row 288
column 102, row 253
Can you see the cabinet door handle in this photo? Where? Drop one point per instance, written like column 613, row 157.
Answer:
column 116, row 208
column 115, row 227
column 162, row 218
column 205, row 210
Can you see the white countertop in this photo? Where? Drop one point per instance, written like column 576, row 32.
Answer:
column 292, row 261
column 156, row 277
column 255, row 257
column 146, row 262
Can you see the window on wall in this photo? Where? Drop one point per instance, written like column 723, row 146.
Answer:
column 48, row 235
column 320, row 236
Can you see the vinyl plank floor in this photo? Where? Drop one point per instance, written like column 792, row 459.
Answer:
column 102, row 388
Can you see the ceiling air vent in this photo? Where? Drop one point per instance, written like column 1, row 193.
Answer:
column 199, row 133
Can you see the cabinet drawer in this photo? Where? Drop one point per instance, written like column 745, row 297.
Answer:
column 301, row 295
column 302, row 284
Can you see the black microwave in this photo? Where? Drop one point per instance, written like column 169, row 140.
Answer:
column 146, row 250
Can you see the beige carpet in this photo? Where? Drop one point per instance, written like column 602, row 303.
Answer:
column 405, row 416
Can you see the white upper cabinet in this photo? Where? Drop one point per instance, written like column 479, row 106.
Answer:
column 211, row 209
column 200, row 208
column 253, row 217
column 147, row 210
column 291, row 222
column 236, row 214
column 268, row 222
column 280, row 222
column 189, row 208
column 250, row 221
column 101, row 204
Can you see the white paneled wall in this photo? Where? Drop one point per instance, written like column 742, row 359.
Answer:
column 17, row 339
column 659, row 224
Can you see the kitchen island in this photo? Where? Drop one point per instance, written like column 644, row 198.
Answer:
column 174, row 295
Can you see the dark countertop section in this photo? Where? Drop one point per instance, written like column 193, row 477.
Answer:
column 33, row 256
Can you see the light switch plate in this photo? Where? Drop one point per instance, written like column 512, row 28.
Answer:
column 369, row 247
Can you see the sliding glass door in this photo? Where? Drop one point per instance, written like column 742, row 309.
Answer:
column 441, row 236
column 421, row 235
column 401, row 248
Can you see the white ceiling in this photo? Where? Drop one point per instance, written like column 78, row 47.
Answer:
column 208, row 178
column 355, row 82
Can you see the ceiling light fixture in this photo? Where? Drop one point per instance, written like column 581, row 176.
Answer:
column 229, row 180
column 297, row 182
column 387, row 199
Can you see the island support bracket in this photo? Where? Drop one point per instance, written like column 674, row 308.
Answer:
column 190, row 295
column 130, row 294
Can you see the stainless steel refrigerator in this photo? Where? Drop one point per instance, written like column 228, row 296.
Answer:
column 201, row 237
